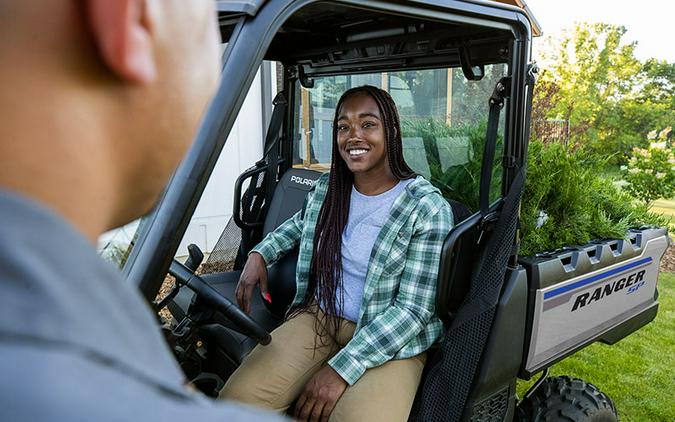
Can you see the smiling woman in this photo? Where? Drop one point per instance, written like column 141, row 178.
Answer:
column 360, row 135
column 363, row 314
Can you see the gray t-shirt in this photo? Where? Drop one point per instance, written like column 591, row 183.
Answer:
column 77, row 343
column 367, row 215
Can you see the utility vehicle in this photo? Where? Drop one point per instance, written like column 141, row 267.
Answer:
column 461, row 75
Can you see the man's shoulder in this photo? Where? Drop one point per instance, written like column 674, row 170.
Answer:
column 58, row 294
column 66, row 385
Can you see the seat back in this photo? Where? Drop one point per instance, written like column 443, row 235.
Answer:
column 289, row 197
column 457, row 261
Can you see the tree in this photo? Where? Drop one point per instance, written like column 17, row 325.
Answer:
column 659, row 85
column 610, row 98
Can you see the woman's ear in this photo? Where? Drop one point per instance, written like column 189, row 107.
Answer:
column 123, row 34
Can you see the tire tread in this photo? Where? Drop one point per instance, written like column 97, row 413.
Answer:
column 566, row 399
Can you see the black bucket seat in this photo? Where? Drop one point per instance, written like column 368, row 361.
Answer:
column 289, row 197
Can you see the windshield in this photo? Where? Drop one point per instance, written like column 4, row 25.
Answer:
column 443, row 122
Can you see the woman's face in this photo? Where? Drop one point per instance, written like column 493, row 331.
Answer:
column 360, row 135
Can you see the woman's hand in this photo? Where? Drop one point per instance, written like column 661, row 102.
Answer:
column 254, row 272
column 320, row 396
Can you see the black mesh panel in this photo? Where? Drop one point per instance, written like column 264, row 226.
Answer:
column 451, row 375
column 225, row 252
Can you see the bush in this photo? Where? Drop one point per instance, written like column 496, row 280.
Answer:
column 650, row 172
column 116, row 252
column 567, row 202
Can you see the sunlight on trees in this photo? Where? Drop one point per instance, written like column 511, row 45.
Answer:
column 610, row 98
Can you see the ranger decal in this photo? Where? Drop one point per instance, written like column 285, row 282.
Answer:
column 609, row 288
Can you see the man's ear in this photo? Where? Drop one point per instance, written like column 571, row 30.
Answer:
column 122, row 31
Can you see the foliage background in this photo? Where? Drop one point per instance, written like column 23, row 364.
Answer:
column 461, row 182
column 611, row 99
column 650, row 173
column 566, row 201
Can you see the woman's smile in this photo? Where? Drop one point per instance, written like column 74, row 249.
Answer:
column 357, row 152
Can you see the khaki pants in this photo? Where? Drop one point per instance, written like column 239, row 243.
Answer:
column 273, row 376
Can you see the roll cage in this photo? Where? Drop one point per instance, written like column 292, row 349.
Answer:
column 347, row 37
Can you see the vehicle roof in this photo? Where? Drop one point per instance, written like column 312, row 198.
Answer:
column 338, row 37
column 536, row 28
column 251, row 7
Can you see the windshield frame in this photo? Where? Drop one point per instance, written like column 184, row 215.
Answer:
column 159, row 238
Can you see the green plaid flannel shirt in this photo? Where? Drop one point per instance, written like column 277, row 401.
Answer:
column 397, row 317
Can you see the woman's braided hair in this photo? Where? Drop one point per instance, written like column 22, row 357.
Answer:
column 326, row 266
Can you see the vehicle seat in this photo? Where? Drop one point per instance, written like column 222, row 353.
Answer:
column 457, row 261
column 289, row 196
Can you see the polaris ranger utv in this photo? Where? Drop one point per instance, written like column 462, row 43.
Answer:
column 461, row 76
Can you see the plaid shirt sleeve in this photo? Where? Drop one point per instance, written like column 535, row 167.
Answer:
column 379, row 340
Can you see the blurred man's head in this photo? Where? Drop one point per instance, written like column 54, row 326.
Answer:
column 100, row 99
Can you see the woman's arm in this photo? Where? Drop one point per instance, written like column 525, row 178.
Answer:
column 282, row 240
column 275, row 245
column 379, row 340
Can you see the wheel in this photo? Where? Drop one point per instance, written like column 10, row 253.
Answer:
column 567, row 399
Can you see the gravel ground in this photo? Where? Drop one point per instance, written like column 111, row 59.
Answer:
column 167, row 285
column 668, row 260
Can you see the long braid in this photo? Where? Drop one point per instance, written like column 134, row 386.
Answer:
column 325, row 274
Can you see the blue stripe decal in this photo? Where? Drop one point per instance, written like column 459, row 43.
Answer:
column 597, row 277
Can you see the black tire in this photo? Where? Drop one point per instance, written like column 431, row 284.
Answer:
column 569, row 400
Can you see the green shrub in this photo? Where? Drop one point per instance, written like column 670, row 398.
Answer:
column 566, row 200
column 115, row 252
column 650, row 172
column 459, row 182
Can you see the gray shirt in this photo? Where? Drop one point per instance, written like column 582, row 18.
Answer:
column 367, row 215
column 77, row 343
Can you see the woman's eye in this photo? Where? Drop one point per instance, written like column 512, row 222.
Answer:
column 367, row 125
column 343, row 128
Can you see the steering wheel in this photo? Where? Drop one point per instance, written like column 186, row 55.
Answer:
column 249, row 326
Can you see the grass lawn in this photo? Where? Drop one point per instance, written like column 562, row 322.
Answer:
column 638, row 373
column 665, row 207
